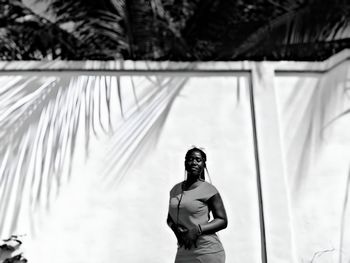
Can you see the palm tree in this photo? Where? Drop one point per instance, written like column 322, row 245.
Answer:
column 187, row 30
column 118, row 29
column 322, row 27
column 24, row 35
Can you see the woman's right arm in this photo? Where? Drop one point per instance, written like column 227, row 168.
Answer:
column 170, row 221
column 176, row 230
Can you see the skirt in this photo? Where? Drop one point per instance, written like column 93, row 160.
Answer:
column 217, row 257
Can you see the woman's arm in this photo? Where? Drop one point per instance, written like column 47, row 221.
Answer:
column 219, row 222
column 177, row 230
column 220, row 218
column 170, row 221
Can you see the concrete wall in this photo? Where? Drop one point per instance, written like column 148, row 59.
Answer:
column 266, row 126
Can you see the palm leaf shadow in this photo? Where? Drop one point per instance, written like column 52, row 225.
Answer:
column 147, row 143
column 36, row 159
column 41, row 130
column 322, row 104
column 141, row 130
column 18, row 112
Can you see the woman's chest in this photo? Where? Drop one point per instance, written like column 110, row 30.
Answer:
column 188, row 202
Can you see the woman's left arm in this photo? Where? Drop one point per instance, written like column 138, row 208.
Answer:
column 220, row 218
column 219, row 222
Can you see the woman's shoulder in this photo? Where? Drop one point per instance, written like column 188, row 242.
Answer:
column 209, row 185
column 209, row 188
column 177, row 187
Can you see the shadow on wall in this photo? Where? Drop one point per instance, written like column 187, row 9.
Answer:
column 40, row 118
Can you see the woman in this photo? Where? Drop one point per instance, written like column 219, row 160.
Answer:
column 190, row 203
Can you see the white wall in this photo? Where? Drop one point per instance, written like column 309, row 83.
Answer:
column 105, row 213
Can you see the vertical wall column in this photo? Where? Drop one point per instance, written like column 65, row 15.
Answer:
column 275, row 197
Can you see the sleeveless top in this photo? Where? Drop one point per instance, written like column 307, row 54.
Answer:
column 193, row 210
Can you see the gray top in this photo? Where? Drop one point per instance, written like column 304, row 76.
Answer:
column 194, row 210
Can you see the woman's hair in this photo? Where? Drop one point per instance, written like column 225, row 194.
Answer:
column 204, row 157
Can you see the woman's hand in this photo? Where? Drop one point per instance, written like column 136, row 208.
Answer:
column 190, row 237
column 180, row 232
column 185, row 237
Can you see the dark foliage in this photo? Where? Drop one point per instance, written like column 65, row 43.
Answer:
column 26, row 36
column 188, row 30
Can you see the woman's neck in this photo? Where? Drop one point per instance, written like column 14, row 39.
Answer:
column 191, row 180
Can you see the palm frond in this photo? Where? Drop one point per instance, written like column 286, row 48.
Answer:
column 112, row 29
column 30, row 36
column 308, row 23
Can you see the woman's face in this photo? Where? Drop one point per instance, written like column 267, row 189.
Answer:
column 194, row 163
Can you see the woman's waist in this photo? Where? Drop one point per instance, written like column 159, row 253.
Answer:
column 191, row 222
column 207, row 243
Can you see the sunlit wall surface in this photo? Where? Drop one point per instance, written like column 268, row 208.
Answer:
column 88, row 158
column 111, row 204
column 224, row 130
column 315, row 138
